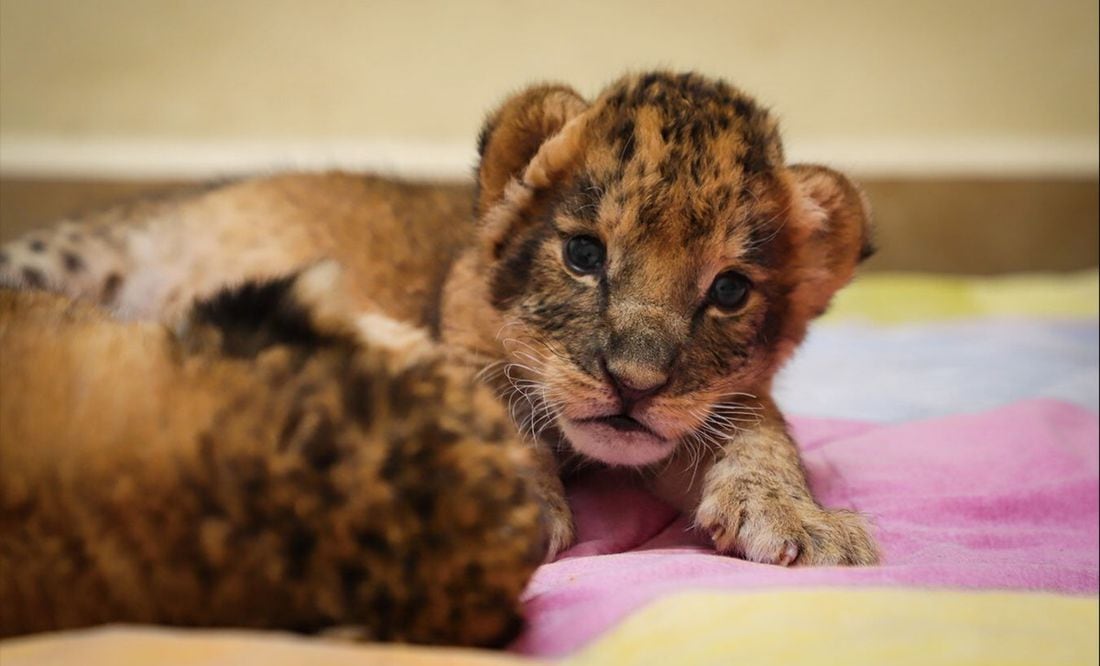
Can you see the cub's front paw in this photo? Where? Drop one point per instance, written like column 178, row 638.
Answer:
column 764, row 526
column 558, row 520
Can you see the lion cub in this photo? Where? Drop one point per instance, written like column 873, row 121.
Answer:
column 271, row 462
column 637, row 268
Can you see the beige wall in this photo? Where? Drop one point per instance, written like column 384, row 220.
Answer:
column 899, row 80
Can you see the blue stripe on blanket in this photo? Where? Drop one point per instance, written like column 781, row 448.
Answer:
column 917, row 371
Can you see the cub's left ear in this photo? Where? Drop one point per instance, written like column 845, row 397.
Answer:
column 524, row 138
column 835, row 219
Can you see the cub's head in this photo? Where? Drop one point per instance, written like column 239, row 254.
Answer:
column 653, row 257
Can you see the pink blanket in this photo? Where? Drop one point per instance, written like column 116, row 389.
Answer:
column 1003, row 499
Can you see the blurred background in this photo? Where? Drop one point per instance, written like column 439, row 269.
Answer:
column 972, row 124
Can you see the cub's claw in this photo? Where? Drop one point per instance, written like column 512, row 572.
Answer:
column 788, row 555
column 771, row 529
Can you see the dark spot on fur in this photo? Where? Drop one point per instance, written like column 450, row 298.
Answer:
column 698, row 165
column 761, row 247
column 400, row 401
column 410, row 565
column 755, row 159
column 511, row 275
column 518, row 494
column 37, row 246
column 111, row 284
column 358, row 398
column 474, row 572
column 647, row 81
column 581, row 201
column 649, row 212
column 722, row 200
column 775, row 321
column 743, row 107
column 318, row 447
column 421, row 499
column 33, row 278
column 565, row 311
column 3, row 258
column 384, row 603
column 290, row 429
column 508, row 633
column 258, row 315
column 392, row 465
column 698, row 134
column 372, row 541
column 351, row 576
column 249, row 474
column 73, row 263
column 623, row 136
column 299, row 546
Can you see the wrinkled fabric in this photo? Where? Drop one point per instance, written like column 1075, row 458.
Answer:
column 1005, row 499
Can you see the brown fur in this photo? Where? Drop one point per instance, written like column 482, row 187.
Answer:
column 681, row 178
column 302, row 475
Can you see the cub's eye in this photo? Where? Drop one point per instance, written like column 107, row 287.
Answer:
column 584, row 254
column 729, row 291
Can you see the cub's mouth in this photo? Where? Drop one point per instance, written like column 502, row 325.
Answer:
column 616, row 439
column 621, row 423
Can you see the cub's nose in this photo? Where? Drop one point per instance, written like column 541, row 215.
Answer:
column 633, row 381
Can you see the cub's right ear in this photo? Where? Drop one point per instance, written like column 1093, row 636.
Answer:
column 513, row 135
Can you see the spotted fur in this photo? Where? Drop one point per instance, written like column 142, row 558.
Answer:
column 263, row 464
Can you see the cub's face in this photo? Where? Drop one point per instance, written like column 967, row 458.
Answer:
column 653, row 259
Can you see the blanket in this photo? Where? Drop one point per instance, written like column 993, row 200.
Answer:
column 1004, row 499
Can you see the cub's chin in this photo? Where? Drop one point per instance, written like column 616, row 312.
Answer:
column 616, row 440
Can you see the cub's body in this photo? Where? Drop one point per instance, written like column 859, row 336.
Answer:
column 263, row 471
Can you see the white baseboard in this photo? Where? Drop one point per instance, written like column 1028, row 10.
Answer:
column 151, row 159
column 157, row 159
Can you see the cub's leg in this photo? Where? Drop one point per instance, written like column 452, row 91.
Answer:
column 753, row 500
column 149, row 259
column 555, row 507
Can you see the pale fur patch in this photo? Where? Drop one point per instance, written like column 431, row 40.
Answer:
column 410, row 345
column 556, row 154
column 811, row 211
column 319, row 289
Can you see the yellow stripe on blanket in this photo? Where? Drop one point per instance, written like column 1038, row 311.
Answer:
column 892, row 298
column 875, row 627
column 854, row 628
column 161, row 646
